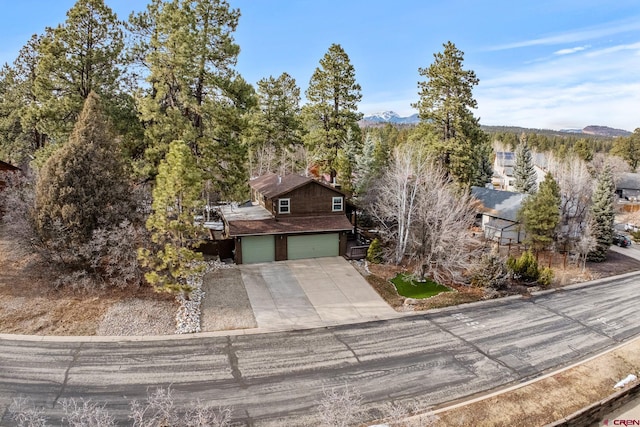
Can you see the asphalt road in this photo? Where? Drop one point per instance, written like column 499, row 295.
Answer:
column 278, row 378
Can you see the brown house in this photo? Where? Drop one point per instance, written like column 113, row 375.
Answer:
column 289, row 217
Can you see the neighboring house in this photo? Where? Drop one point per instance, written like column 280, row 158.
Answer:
column 628, row 186
column 503, row 170
column 504, row 163
column 289, row 217
column 498, row 211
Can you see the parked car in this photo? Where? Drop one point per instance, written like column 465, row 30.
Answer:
column 621, row 240
column 631, row 227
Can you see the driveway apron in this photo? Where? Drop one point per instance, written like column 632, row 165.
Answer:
column 311, row 292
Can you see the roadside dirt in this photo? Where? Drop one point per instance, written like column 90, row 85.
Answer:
column 551, row 398
column 31, row 305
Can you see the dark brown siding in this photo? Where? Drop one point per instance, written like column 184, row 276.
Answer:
column 342, row 250
column 238, row 258
column 312, row 199
column 281, row 247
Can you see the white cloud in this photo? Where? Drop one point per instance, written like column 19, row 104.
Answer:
column 566, row 91
column 571, row 50
column 575, row 36
column 615, row 49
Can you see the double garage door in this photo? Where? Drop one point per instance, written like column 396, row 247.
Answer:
column 262, row 248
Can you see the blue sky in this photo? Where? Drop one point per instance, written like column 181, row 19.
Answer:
column 547, row 64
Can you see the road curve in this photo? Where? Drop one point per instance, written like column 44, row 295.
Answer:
column 278, row 378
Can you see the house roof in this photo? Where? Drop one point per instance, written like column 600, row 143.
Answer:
column 505, row 158
column 4, row 166
column 498, row 203
column 249, row 212
column 290, row 225
column 628, row 181
column 272, row 185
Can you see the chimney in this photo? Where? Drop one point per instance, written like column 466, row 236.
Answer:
column 279, row 180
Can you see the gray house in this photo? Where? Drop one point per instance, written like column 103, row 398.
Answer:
column 628, row 186
column 498, row 212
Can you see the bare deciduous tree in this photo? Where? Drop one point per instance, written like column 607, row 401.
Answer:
column 576, row 186
column 424, row 215
column 160, row 409
column 340, row 407
column 585, row 244
column 85, row 413
column 395, row 202
column 23, row 412
column 441, row 241
column 617, row 164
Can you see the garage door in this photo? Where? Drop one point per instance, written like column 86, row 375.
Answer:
column 312, row 246
column 258, row 249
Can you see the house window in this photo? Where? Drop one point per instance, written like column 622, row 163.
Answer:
column 337, row 204
column 284, row 206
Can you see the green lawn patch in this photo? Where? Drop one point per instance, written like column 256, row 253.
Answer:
column 410, row 288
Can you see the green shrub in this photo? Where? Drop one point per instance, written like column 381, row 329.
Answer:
column 525, row 267
column 374, row 253
column 546, row 277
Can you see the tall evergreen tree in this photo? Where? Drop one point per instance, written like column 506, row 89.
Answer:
column 523, row 171
column 373, row 158
column 77, row 57
column 176, row 198
column 602, row 215
column 20, row 137
column 331, row 113
column 187, row 52
column 540, row 214
column 629, row 149
column 445, row 104
column 275, row 126
column 82, row 186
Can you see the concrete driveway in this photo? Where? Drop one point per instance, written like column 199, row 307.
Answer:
column 310, row 293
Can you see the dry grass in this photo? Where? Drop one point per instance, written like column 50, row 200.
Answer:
column 551, row 398
column 32, row 305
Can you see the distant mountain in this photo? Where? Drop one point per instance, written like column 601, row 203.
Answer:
column 378, row 119
column 389, row 117
column 604, row 131
column 589, row 131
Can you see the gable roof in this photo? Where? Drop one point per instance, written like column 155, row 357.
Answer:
column 272, row 185
column 498, row 203
column 628, row 181
column 4, row 166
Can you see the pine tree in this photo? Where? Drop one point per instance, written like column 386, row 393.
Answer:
column 82, row 186
column 193, row 94
column 446, row 100
column 20, row 136
column 540, row 214
column 602, row 215
column 628, row 148
column 331, row 113
column 77, row 57
column 523, row 171
column 275, row 126
column 176, row 198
